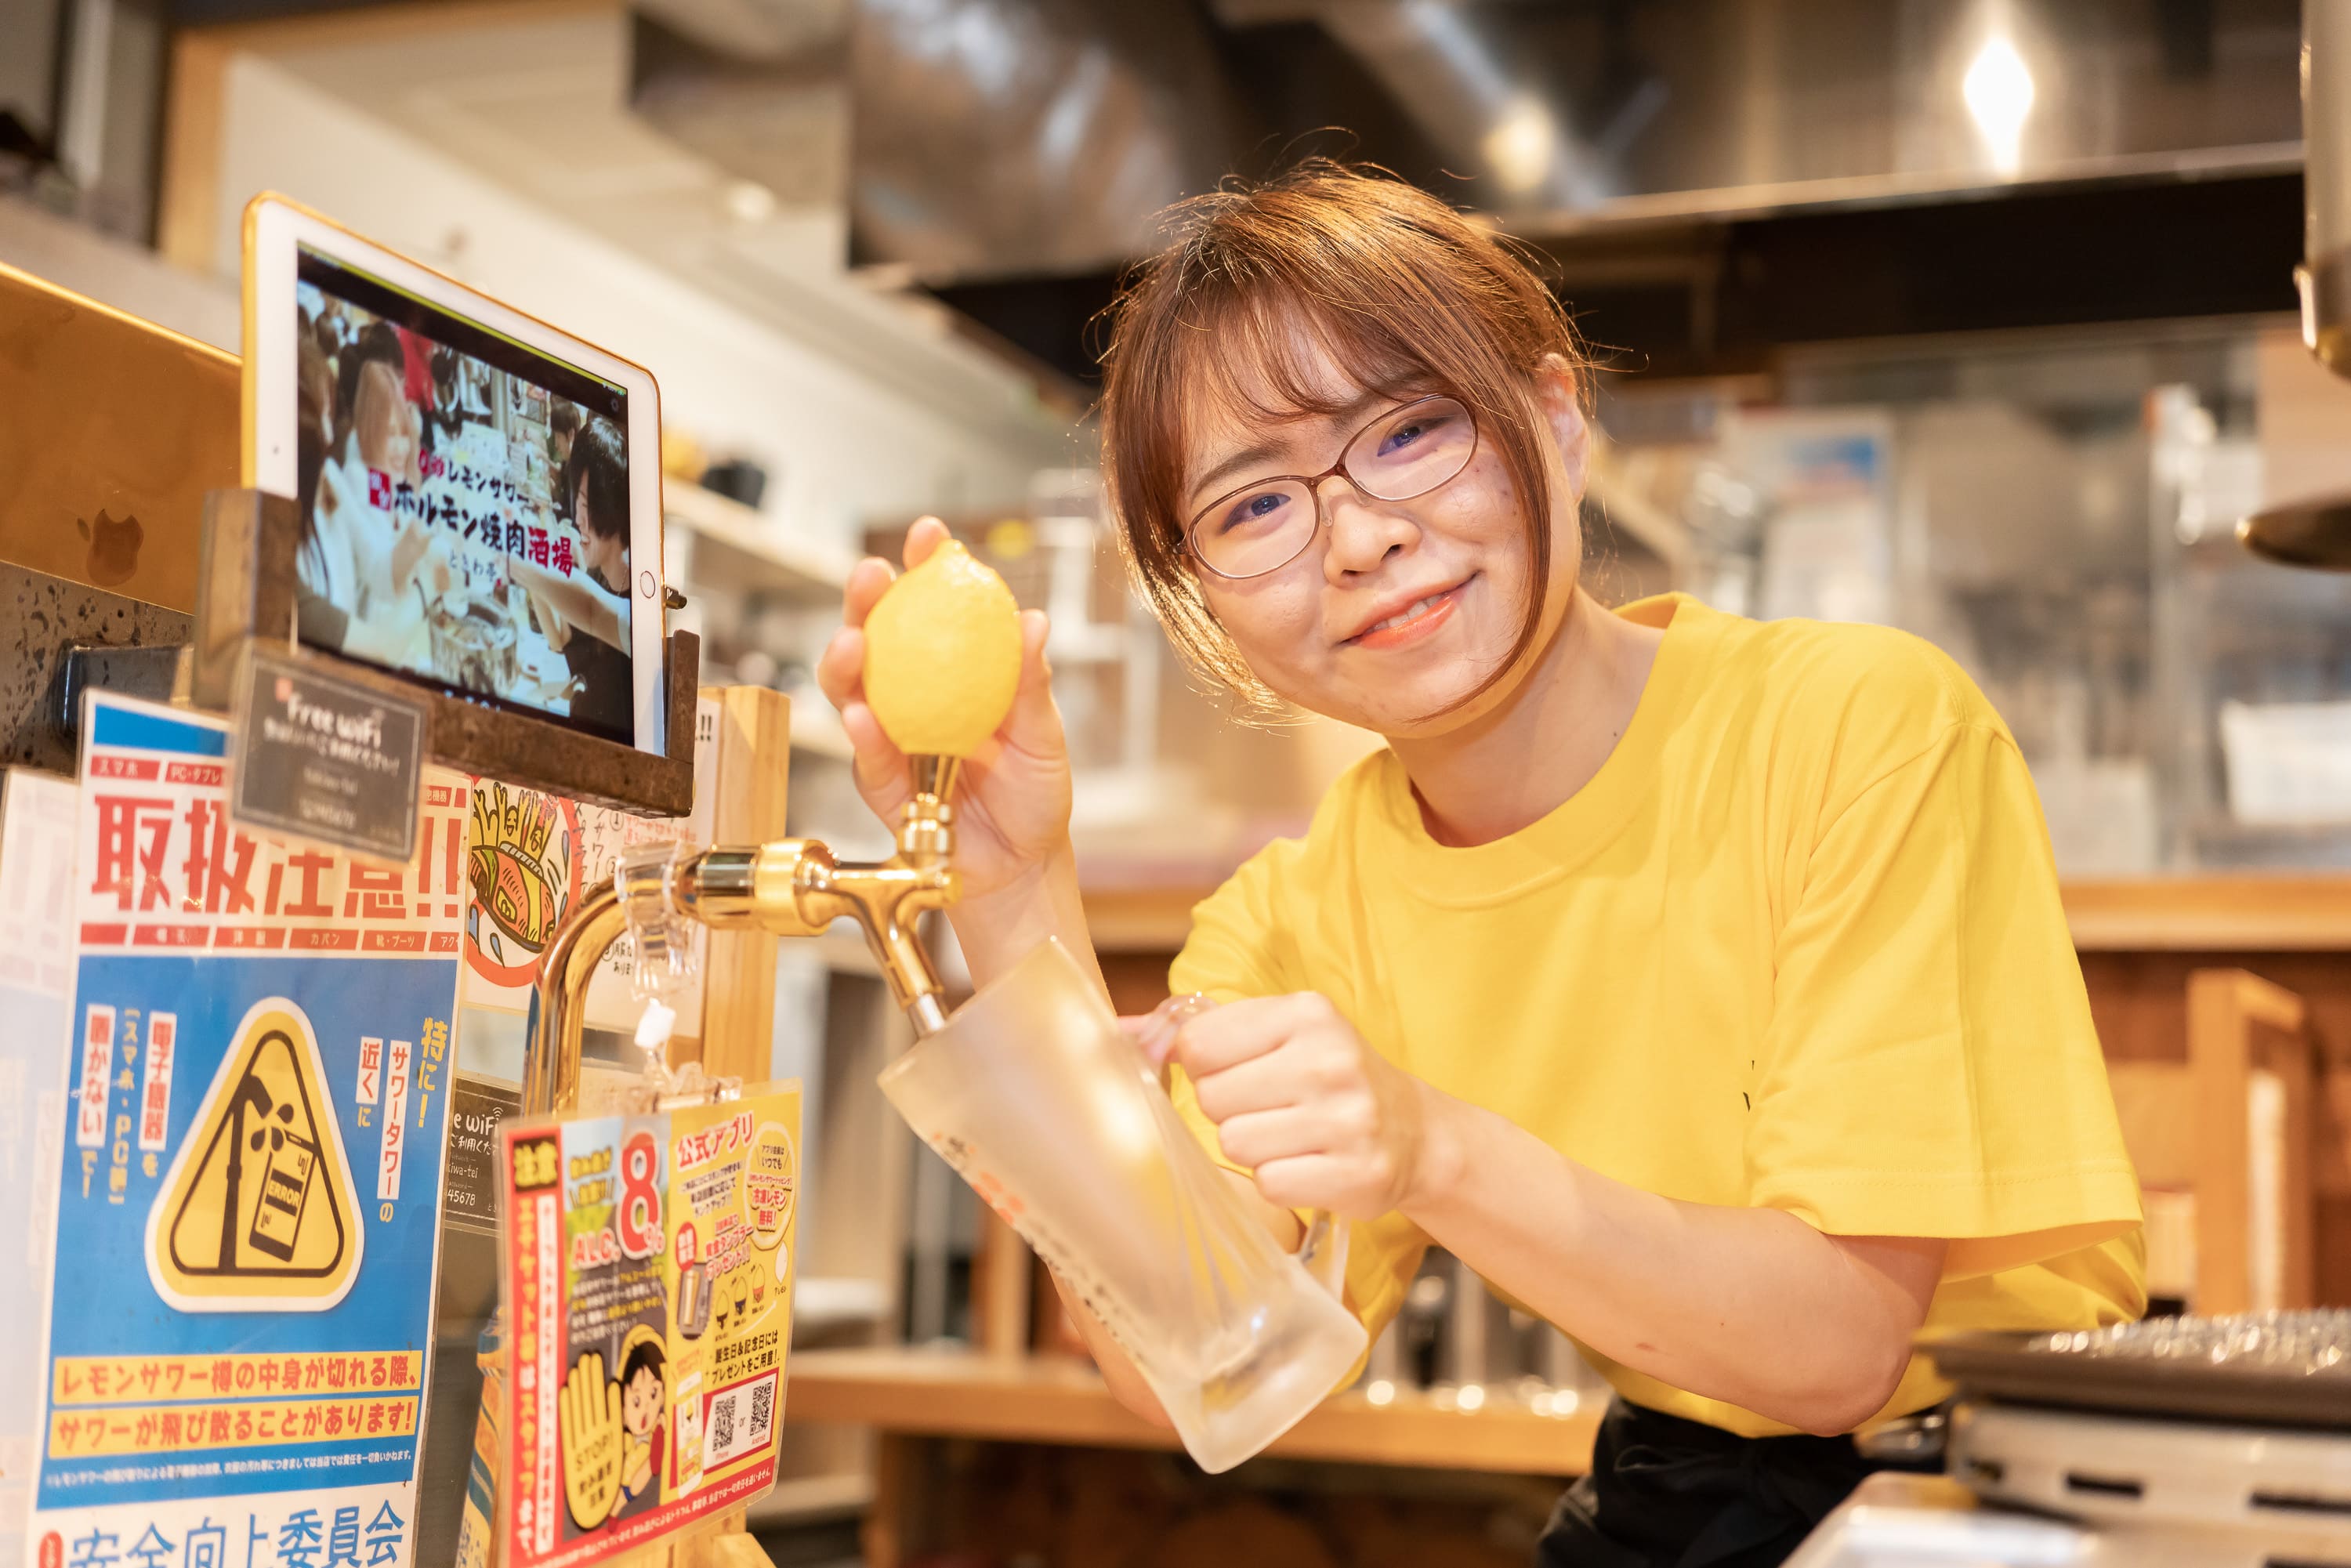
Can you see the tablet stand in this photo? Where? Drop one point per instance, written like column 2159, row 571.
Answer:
column 244, row 596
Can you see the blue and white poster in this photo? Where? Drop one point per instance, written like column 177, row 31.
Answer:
column 36, row 966
column 248, row 1196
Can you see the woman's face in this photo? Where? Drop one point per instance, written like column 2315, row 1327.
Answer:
column 1397, row 610
column 388, row 424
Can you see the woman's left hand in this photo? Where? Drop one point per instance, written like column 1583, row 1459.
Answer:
column 1322, row 1119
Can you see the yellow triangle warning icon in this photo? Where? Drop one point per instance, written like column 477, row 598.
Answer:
column 258, row 1212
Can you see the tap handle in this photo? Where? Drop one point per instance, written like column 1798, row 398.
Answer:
column 932, row 774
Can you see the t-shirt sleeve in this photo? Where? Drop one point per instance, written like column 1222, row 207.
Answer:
column 1239, row 946
column 1232, row 953
column 1930, row 1067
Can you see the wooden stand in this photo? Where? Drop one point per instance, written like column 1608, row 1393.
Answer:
column 2190, row 1128
column 735, row 1036
column 244, row 594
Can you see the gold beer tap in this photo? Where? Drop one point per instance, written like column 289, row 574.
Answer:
column 943, row 658
column 791, row 887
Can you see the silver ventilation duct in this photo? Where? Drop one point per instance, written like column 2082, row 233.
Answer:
column 1030, row 135
column 1007, row 138
column 1569, row 115
column 967, row 138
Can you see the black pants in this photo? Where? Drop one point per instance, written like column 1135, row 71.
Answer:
column 1667, row 1492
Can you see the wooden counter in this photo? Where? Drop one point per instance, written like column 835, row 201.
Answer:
column 2173, row 915
column 2211, row 914
column 1051, row 1399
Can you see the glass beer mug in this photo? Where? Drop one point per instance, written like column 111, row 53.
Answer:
column 1041, row 1102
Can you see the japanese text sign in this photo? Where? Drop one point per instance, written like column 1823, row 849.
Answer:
column 647, row 1290
column 249, row 1174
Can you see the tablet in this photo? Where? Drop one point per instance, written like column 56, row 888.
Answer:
column 479, row 494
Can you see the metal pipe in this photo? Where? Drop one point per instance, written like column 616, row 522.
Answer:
column 792, row 887
column 559, row 1007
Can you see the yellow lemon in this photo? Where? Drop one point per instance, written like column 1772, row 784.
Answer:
column 943, row 655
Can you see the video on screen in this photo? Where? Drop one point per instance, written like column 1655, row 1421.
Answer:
column 464, row 502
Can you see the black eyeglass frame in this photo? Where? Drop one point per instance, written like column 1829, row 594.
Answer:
column 1314, row 486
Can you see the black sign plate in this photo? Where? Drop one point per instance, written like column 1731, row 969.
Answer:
column 469, row 1199
column 327, row 757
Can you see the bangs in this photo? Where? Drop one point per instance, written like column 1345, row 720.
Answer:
column 1265, row 359
column 1263, row 293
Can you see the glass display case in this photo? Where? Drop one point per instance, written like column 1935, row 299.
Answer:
column 2057, row 511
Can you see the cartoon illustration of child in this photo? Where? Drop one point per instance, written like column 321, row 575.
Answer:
column 643, row 1411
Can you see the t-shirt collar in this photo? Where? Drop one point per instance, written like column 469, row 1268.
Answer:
column 1579, row 827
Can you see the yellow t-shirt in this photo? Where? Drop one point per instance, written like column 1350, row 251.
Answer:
column 1797, row 945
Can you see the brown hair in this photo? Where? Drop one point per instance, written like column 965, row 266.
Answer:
column 1407, row 294
column 380, row 411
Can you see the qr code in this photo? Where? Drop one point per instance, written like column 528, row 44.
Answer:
column 740, row 1421
column 763, row 1412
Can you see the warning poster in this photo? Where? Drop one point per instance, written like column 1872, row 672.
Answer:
column 249, row 1176
column 648, row 1287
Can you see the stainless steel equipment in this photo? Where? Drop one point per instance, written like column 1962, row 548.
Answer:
column 2317, row 532
column 2177, row 1442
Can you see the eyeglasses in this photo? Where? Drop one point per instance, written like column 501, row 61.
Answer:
column 1406, row 452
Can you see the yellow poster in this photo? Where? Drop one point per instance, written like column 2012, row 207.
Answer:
column 648, row 1298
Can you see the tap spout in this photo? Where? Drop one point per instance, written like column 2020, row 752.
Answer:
column 791, row 887
column 558, row 1006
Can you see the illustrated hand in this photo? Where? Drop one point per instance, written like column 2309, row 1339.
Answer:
column 587, row 1408
column 1012, row 806
column 1322, row 1119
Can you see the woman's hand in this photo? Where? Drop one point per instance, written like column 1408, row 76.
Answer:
column 1012, row 806
column 1323, row 1120
column 420, row 554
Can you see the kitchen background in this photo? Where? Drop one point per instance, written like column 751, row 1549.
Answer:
column 1970, row 317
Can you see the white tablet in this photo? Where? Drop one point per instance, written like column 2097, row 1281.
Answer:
column 479, row 494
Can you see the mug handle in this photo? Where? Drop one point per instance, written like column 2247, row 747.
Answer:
column 1323, row 1253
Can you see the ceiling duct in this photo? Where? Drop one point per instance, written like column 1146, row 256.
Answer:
column 762, row 91
column 974, row 138
column 1028, row 135
column 995, row 139
column 1569, row 114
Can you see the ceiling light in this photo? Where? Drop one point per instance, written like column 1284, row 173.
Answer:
column 748, row 202
column 1520, row 145
column 1998, row 88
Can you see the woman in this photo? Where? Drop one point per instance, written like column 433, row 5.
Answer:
column 358, row 564
column 596, row 481
column 1701, row 983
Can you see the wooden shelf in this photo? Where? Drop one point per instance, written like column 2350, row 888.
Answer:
column 2211, row 914
column 731, row 543
column 800, row 1499
column 2158, row 914
column 1048, row 1399
column 1141, row 919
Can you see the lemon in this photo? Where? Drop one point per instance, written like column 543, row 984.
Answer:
column 943, row 655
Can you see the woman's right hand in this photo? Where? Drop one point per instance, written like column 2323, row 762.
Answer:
column 408, row 549
column 1012, row 800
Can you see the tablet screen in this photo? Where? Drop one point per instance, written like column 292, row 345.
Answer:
column 465, row 503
